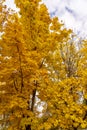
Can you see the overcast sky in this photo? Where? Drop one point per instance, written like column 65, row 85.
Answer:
column 72, row 12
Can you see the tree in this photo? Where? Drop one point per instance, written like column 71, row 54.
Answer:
column 40, row 65
column 66, row 105
column 22, row 65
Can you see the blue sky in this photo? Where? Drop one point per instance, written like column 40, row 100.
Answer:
column 72, row 12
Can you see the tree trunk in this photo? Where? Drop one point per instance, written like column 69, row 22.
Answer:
column 74, row 128
column 28, row 127
column 33, row 100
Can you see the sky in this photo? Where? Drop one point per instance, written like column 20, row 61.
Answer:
column 72, row 12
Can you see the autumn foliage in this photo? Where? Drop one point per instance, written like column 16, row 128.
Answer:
column 43, row 71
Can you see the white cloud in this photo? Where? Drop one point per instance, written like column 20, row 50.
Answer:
column 10, row 3
column 72, row 12
column 51, row 4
